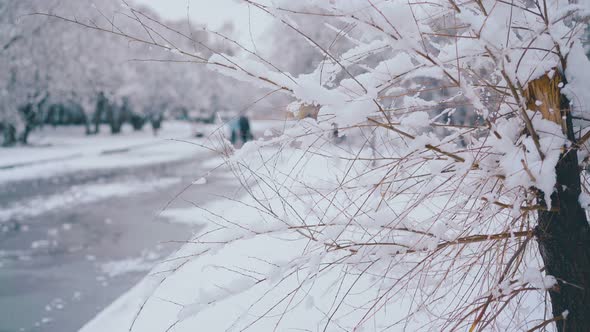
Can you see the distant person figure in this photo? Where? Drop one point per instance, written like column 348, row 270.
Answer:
column 240, row 129
column 245, row 133
column 156, row 120
column 234, row 127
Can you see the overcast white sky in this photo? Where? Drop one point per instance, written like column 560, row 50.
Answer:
column 214, row 13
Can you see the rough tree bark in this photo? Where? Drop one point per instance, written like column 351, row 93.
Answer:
column 563, row 236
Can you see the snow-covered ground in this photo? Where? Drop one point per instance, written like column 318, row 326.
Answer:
column 84, row 215
column 246, row 270
column 252, row 283
column 65, row 150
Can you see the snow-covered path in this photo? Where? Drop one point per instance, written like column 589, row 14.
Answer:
column 62, row 152
column 69, row 249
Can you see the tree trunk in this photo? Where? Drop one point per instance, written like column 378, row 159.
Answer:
column 564, row 242
column 563, row 235
column 87, row 124
column 24, row 137
column 29, row 116
column 115, row 119
column 97, row 118
column 101, row 108
column 9, row 135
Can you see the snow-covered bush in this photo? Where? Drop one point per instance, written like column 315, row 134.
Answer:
column 409, row 219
